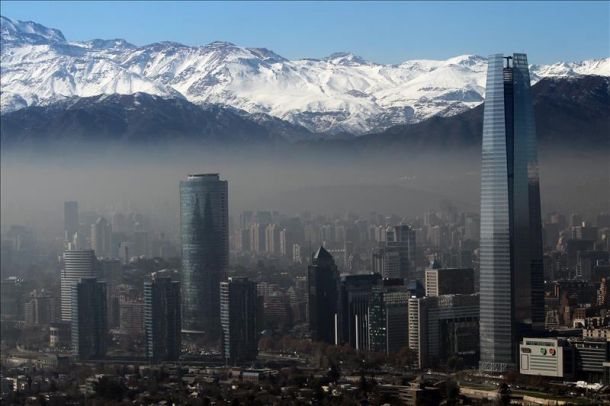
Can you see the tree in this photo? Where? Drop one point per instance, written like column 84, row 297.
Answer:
column 334, row 373
column 455, row 363
column 265, row 344
column 503, row 397
column 452, row 392
column 511, row 377
column 109, row 389
column 405, row 357
column 363, row 384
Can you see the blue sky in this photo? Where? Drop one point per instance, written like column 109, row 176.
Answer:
column 388, row 32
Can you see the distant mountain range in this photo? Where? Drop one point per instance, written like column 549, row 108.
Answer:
column 573, row 111
column 55, row 88
column 137, row 119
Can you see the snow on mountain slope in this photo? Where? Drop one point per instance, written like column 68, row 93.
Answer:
column 28, row 32
column 38, row 66
column 340, row 93
column 600, row 67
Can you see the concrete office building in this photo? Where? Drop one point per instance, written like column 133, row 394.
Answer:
column 591, row 355
column 449, row 281
column 444, row 326
column 552, row 357
column 77, row 264
column 41, row 308
column 395, row 256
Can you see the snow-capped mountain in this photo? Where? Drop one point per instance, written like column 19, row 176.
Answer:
column 340, row 93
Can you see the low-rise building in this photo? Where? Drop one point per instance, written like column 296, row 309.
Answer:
column 596, row 333
column 591, row 354
column 546, row 357
column 60, row 334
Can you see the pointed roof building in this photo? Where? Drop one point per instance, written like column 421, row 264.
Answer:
column 322, row 255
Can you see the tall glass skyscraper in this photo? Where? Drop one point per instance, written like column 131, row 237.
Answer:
column 204, row 227
column 511, row 277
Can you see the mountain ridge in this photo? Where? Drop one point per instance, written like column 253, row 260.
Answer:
column 140, row 119
column 339, row 94
column 569, row 112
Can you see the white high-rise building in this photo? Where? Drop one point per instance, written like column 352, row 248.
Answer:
column 78, row 264
column 257, row 237
column 284, row 242
column 101, row 238
column 272, row 239
column 296, row 253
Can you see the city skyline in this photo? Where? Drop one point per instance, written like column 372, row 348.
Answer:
column 438, row 323
column 203, row 203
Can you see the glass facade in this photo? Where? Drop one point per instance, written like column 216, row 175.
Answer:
column 238, row 309
column 353, row 309
column 162, row 320
column 322, row 276
column 89, row 319
column 204, row 228
column 388, row 318
column 511, row 284
column 377, row 321
column 531, row 231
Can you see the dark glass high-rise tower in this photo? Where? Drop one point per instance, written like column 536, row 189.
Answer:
column 162, row 321
column 204, row 228
column 353, row 303
column 238, row 309
column 89, row 319
column 322, row 277
column 511, row 276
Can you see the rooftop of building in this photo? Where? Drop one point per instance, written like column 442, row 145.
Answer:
column 322, row 253
column 203, row 176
